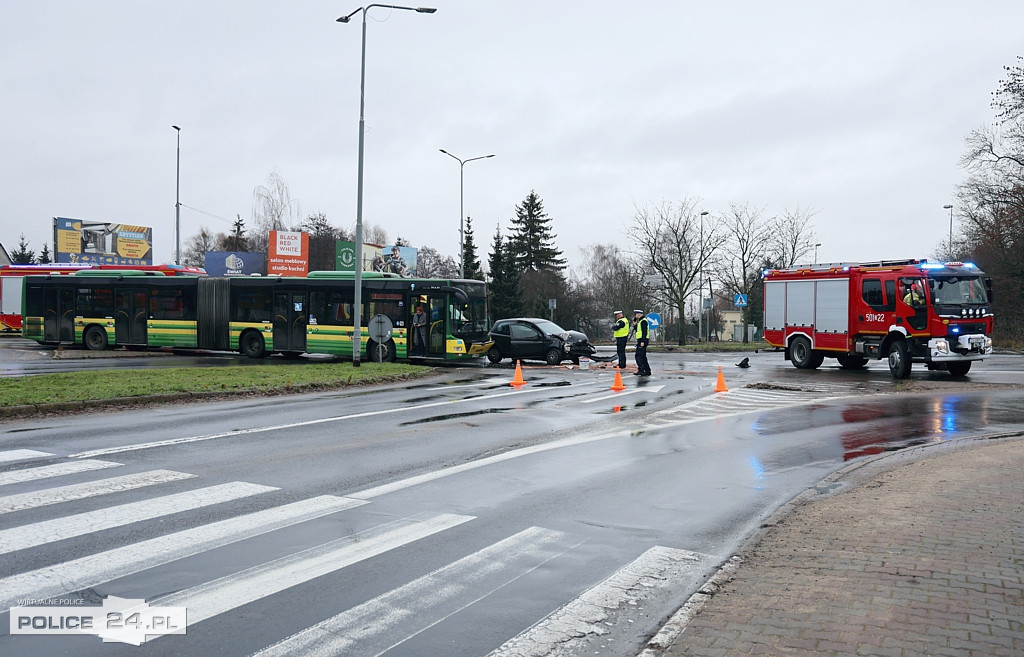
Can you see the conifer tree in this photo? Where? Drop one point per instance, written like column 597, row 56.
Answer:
column 531, row 243
column 24, row 255
column 472, row 268
column 504, row 280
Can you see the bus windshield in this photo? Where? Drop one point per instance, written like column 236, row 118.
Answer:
column 958, row 290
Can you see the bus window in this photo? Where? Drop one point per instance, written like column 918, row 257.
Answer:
column 337, row 309
column 97, row 302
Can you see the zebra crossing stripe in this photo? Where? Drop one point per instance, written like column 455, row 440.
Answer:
column 60, row 494
column 49, row 531
column 372, row 627
column 85, row 572
column 630, row 585
column 221, row 595
column 21, row 455
column 55, row 470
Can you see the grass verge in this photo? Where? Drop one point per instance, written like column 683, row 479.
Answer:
column 49, row 389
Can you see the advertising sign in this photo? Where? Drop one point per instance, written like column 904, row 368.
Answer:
column 233, row 263
column 98, row 243
column 289, row 253
column 392, row 259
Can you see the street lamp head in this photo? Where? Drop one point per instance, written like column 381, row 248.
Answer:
column 426, row 10
column 176, row 128
column 705, row 213
column 947, row 207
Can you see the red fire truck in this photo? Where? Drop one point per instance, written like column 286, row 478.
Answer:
column 907, row 311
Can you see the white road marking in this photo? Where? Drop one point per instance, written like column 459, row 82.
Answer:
column 60, row 494
column 85, row 572
column 589, row 613
column 49, row 531
column 620, row 393
column 55, row 470
column 292, row 425
column 372, row 627
column 227, row 593
column 21, row 454
column 394, row 486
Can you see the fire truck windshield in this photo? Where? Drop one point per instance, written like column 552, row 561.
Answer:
column 958, row 290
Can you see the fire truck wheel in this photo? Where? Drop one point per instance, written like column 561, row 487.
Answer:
column 848, row 362
column 959, row 369
column 803, row 356
column 899, row 360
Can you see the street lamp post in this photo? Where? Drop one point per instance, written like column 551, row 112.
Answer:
column 177, row 202
column 950, row 208
column 700, row 282
column 816, row 252
column 357, row 302
column 462, row 214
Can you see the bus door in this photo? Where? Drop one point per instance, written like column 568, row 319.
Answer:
column 437, row 330
column 59, row 315
column 290, row 310
column 131, row 316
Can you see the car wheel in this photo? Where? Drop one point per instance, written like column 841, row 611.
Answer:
column 553, row 357
column 494, row 355
column 899, row 360
column 95, row 338
column 959, row 368
column 251, row 344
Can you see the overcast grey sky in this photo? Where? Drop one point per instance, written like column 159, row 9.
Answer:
column 857, row 110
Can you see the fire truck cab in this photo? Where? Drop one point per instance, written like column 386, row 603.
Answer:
column 907, row 311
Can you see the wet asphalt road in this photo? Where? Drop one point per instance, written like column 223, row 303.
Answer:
column 450, row 515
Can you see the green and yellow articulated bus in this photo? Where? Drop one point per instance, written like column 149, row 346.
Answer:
column 256, row 315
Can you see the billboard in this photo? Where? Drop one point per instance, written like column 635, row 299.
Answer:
column 288, row 253
column 99, row 243
column 233, row 263
column 394, row 259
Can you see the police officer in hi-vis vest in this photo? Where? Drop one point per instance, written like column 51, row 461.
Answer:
column 620, row 331
column 642, row 329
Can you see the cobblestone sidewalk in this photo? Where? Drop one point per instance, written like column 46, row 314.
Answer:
column 924, row 555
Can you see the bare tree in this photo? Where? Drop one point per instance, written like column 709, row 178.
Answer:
column 675, row 244
column 745, row 253
column 431, row 264
column 197, row 246
column 792, row 238
column 272, row 209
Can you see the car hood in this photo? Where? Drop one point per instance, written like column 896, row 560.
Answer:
column 573, row 336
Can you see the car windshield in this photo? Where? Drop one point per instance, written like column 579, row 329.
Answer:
column 549, row 328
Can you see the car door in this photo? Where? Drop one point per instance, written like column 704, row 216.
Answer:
column 526, row 341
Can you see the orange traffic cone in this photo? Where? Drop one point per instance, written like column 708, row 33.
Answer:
column 617, row 384
column 517, row 380
column 720, row 385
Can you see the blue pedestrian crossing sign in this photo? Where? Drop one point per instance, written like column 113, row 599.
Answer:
column 739, row 300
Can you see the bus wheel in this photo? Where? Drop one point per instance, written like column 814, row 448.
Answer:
column 899, row 360
column 251, row 344
column 959, row 368
column 381, row 352
column 95, row 338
